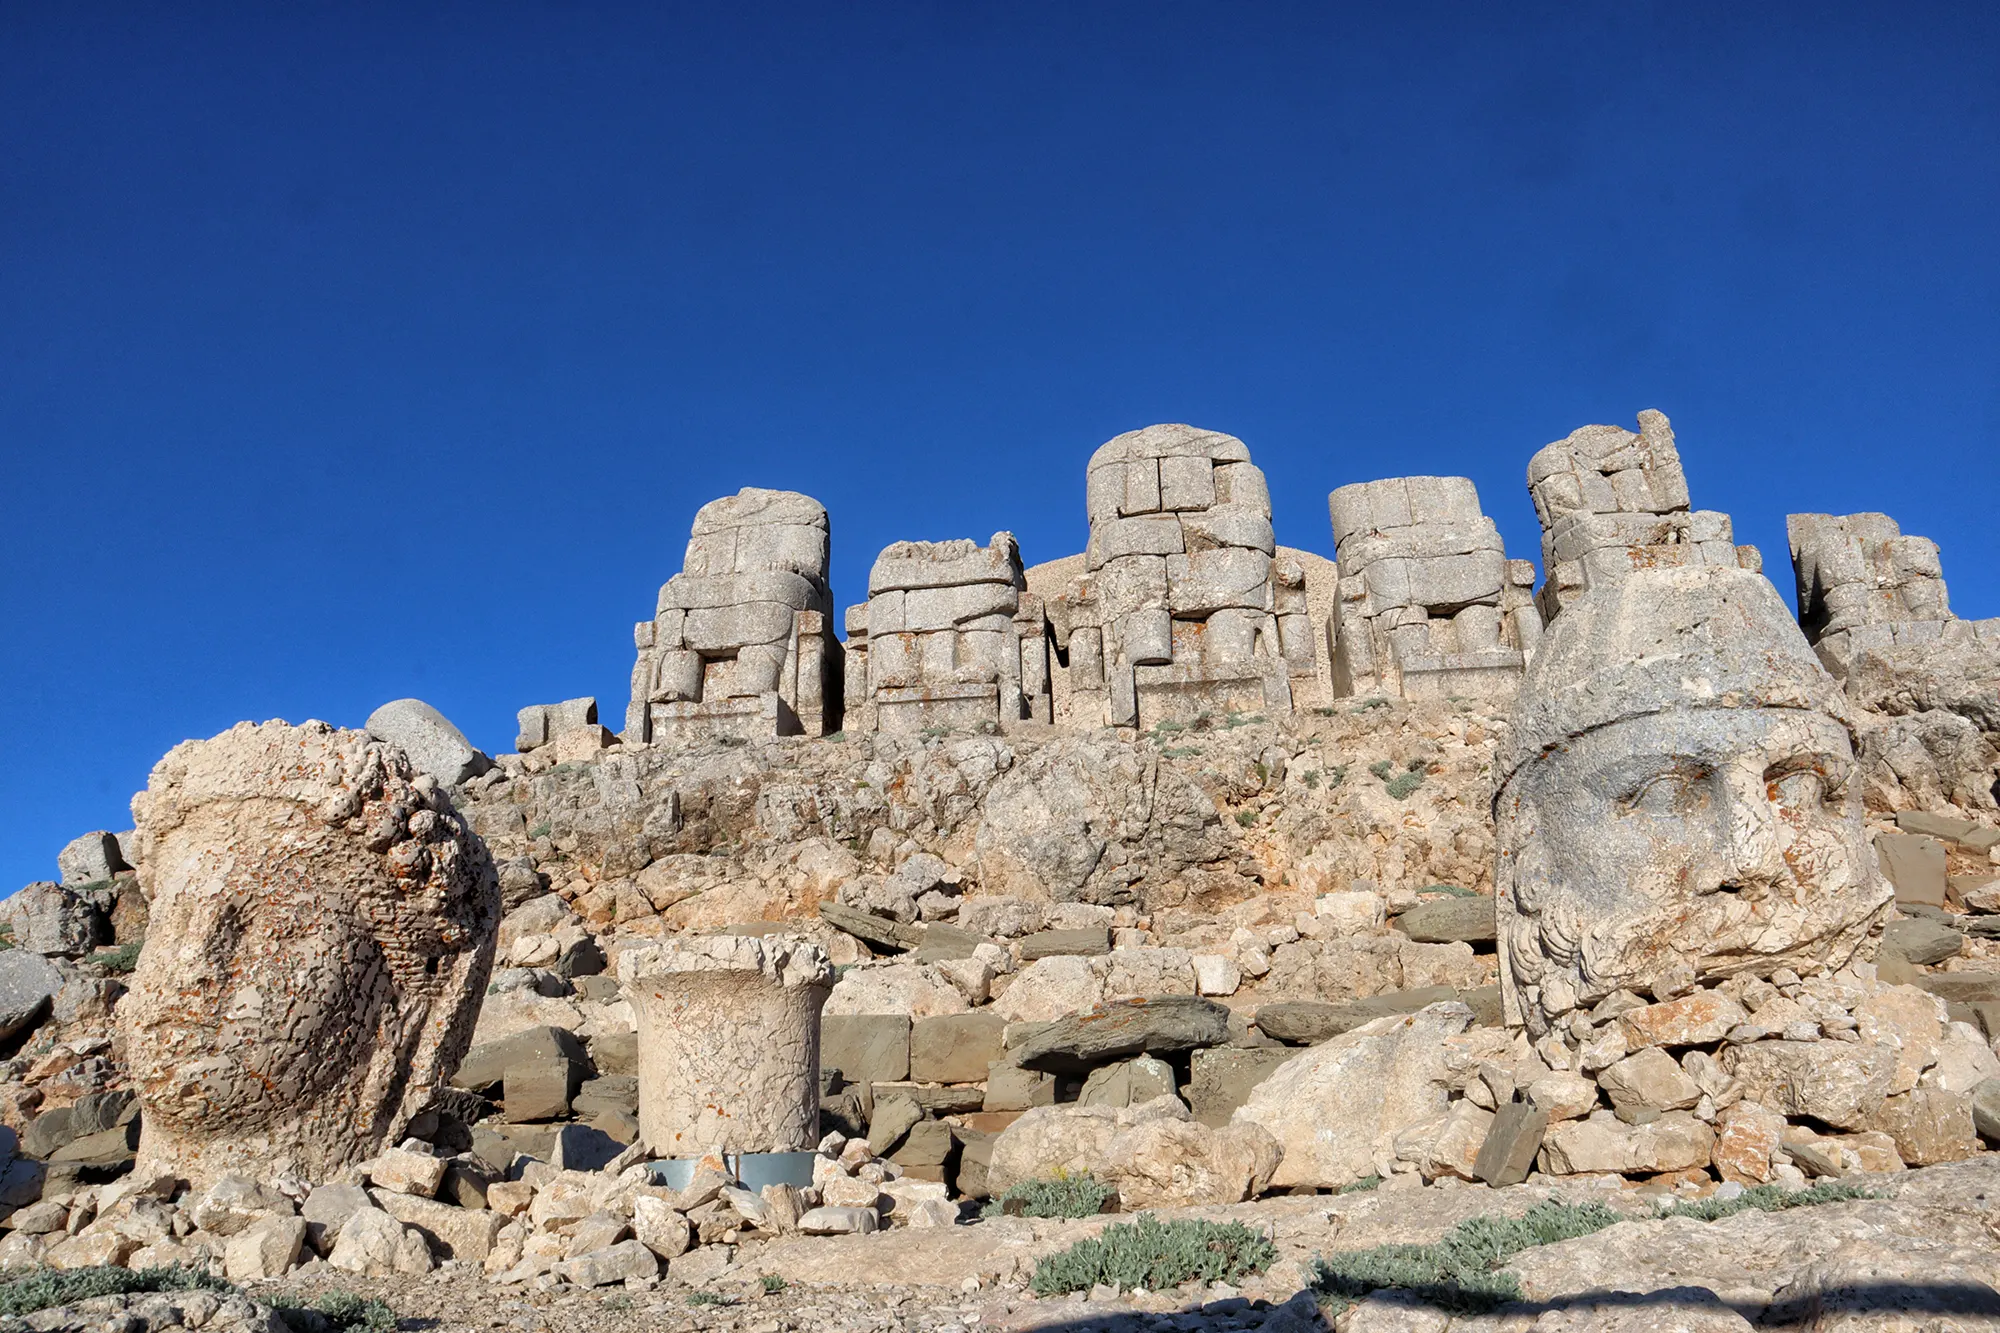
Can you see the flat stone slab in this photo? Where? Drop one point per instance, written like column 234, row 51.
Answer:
column 1915, row 864
column 1450, row 921
column 871, row 928
column 1087, row 941
column 1309, row 1022
column 1962, row 987
column 1124, row 1028
column 866, row 1048
column 485, row 1065
column 1974, row 837
column 1922, row 941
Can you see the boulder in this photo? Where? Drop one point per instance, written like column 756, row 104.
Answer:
column 866, row 1048
column 433, row 744
column 54, row 921
column 374, row 1244
column 1651, row 1080
column 1127, row 1083
column 28, row 984
column 91, row 859
column 1335, row 1109
column 1450, row 920
column 627, row 1261
column 1603, row 1143
column 1840, row 1083
column 1221, row 1078
column 267, row 1248
column 1921, row 941
column 453, row 1232
column 1929, row 1125
column 954, row 1048
column 1083, row 941
column 1122, row 1028
column 1309, row 1022
column 484, row 1067
column 1691, row 1020
column 1156, row 1155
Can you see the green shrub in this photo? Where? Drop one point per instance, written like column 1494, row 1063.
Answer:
column 1066, row 1196
column 1380, row 768
column 1361, row 1186
column 43, row 1288
column 1452, row 889
column 1246, row 817
column 708, row 1298
column 1156, row 1255
column 1401, row 787
column 773, row 1284
column 1770, row 1199
column 539, row 831
column 1459, row 1273
column 1180, row 752
column 121, row 959
column 337, row 1312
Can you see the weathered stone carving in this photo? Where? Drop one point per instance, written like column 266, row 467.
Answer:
column 948, row 637
column 1676, row 798
column 1865, row 587
column 1430, row 605
column 1612, row 501
column 322, row 928
column 1180, row 609
column 428, row 739
column 728, row 1043
column 743, row 642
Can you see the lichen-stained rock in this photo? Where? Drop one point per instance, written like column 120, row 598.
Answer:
column 322, row 929
column 1336, row 1108
column 1840, row 1083
column 1677, row 798
column 1155, row 1154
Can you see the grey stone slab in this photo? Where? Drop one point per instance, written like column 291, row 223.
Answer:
column 90, row 859
column 539, row 1088
column 1508, row 1153
column 1961, row 987
column 1123, row 1028
column 871, row 928
column 1220, row 1079
column 1915, row 865
column 866, row 1048
column 941, row 943
column 1921, row 941
column 485, row 1065
column 955, row 1048
column 1308, row 1022
column 1985, row 1098
column 1932, row 825
column 1088, row 940
column 1449, row 920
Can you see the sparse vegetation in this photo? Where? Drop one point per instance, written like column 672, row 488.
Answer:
column 1462, row 1272
column 43, row 1288
column 1156, row 1255
column 708, row 1298
column 1065, row 1196
column 539, row 831
column 1401, row 787
column 1246, row 817
column 1366, row 704
column 1381, row 768
column 1180, row 752
column 773, row 1284
column 1361, row 1186
column 121, row 959
column 337, row 1312
column 1452, row 889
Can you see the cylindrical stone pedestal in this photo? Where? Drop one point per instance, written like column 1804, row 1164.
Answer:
column 728, row 1043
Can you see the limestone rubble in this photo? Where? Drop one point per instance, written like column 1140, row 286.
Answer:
column 1228, row 874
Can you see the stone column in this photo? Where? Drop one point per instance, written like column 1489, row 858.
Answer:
column 728, row 1043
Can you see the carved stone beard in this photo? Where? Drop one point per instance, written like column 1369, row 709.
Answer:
column 1665, row 850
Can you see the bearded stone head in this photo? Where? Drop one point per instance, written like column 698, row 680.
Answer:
column 1677, row 799
column 322, row 928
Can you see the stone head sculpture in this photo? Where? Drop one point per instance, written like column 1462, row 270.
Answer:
column 1675, row 799
column 322, row 928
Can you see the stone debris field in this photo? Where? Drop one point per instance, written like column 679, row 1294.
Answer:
column 1191, row 933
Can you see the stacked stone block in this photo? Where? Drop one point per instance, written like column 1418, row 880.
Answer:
column 1181, row 607
column 1863, row 585
column 743, row 641
column 949, row 637
column 1429, row 603
column 1611, row 501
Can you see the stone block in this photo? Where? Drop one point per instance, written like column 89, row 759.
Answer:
column 928, row 1143
column 1164, row 1023
column 866, row 1048
column 954, row 1048
column 1931, row 825
column 402, row 1171
column 1915, row 865
column 1512, row 1141
column 1215, row 974
column 1309, row 1022
column 1692, row 1020
column 1929, row 1125
column 539, row 1088
column 28, row 985
column 1922, row 942
column 1127, row 1083
column 452, row 1232
column 1450, row 920
column 1675, row 1142
column 1651, row 1080
column 49, row 919
column 485, row 1066
column 1011, row 1088
column 267, row 1248
column 1221, row 1078
column 1088, row 940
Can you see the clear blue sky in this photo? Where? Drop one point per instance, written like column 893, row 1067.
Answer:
column 358, row 351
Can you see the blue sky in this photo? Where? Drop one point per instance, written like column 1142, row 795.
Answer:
column 359, row 351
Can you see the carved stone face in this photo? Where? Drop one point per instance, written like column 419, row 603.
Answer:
column 321, row 930
column 1682, row 846
column 1678, row 800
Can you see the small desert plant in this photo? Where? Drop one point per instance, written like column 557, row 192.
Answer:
column 1452, row 889
column 1367, row 704
column 337, row 1312
column 43, row 1288
column 708, row 1298
column 1246, row 817
column 1361, row 1186
column 1771, row 1199
column 1381, row 769
column 121, row 959
column 773, row 1284
column 539, row 831
column 1461, row 1271
column 1065, row 1196
column 1400, row 788
column 1156, row 1255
